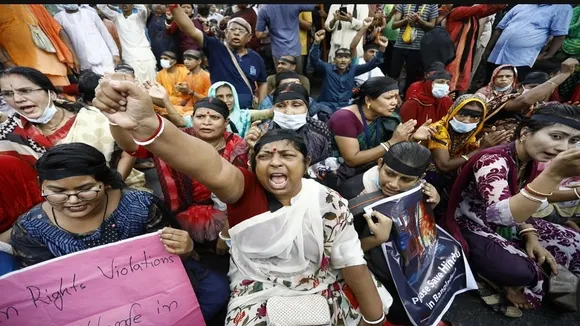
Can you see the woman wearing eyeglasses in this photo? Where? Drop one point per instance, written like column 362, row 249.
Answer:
column 42, row 120
column 88, row 205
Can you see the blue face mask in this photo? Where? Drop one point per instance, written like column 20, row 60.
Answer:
column 462, row 127
column 440, row 90
column 377, row 182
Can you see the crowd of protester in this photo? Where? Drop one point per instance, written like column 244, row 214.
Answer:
column 481, row 99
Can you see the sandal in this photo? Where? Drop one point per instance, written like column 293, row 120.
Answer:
column 495, row 301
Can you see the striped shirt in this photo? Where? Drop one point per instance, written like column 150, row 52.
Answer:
column 426, row 12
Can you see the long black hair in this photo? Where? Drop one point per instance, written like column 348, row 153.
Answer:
column 39, row 79
column 74, row 159
column 274, row 135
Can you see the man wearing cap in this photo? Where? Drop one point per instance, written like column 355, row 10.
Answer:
column 233, row 61
column 169, row 77
column 283, row 28
column 338, row 79
column 286, row 63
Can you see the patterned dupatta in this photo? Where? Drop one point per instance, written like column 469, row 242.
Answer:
column 466, row 176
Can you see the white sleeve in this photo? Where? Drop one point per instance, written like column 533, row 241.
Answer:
column 108, row 12
column 105, row 34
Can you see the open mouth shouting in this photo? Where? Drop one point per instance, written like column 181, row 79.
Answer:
column 278, row 181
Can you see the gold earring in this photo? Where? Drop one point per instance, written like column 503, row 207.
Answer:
column 368, row 106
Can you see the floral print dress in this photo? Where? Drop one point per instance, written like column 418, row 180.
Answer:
column 338, row 226
column 485, row 208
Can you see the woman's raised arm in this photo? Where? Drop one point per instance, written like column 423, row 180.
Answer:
column 131, row 109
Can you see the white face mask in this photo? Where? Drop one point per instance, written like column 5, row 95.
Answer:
column 47, row 115
column 502, row 89
column 440, row 90
column 166, row 64
column 287, row 121
column 462, row 127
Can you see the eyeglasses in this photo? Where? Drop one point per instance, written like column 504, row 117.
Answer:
column 21, row 92
column 59, row 198
column 240, row 31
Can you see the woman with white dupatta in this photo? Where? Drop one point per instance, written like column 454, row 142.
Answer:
column 291, row 237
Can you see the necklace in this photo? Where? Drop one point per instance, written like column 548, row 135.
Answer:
column 104, row 213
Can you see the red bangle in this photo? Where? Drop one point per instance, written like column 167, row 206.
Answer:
column 172, row 6
column 156, row 134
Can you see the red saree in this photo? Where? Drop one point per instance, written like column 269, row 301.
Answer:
column 424, row 106
column 19, row 191
column 192, row 202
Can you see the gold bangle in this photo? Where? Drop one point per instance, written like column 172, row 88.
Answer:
column 576, row 192
column 537, row 193
column 551, row 82
column 465, row 157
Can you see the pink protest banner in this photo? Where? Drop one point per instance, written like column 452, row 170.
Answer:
column 128, row 283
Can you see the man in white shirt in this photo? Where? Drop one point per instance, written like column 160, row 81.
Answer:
column 92, row 42
column 134, row 43
column 344, row 26
column 370, row 51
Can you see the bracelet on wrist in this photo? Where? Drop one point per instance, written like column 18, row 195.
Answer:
column 537, row 193
column 376, row 322
column 156, row 135
column 465, row 157
column 532, row 229
column 385, row 147
column 530, row 197
column 576, row 192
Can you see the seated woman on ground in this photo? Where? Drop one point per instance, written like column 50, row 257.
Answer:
column 455, row 140
column 400, row 169
column 286, row 77
column 19, row 193
column 240, row 120
column 365, row 130
column 197, row 209
column 43, row 121
column 291, row 112
column 88, row 205
column 505, row 104
column 431, row 102
column 497, row 192
column 271, row 210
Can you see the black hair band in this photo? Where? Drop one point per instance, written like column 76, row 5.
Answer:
column 400, row 167
column 57, row 174
column 551, row 118
column 289, row 96
column 287, row 61
column 224, row 111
